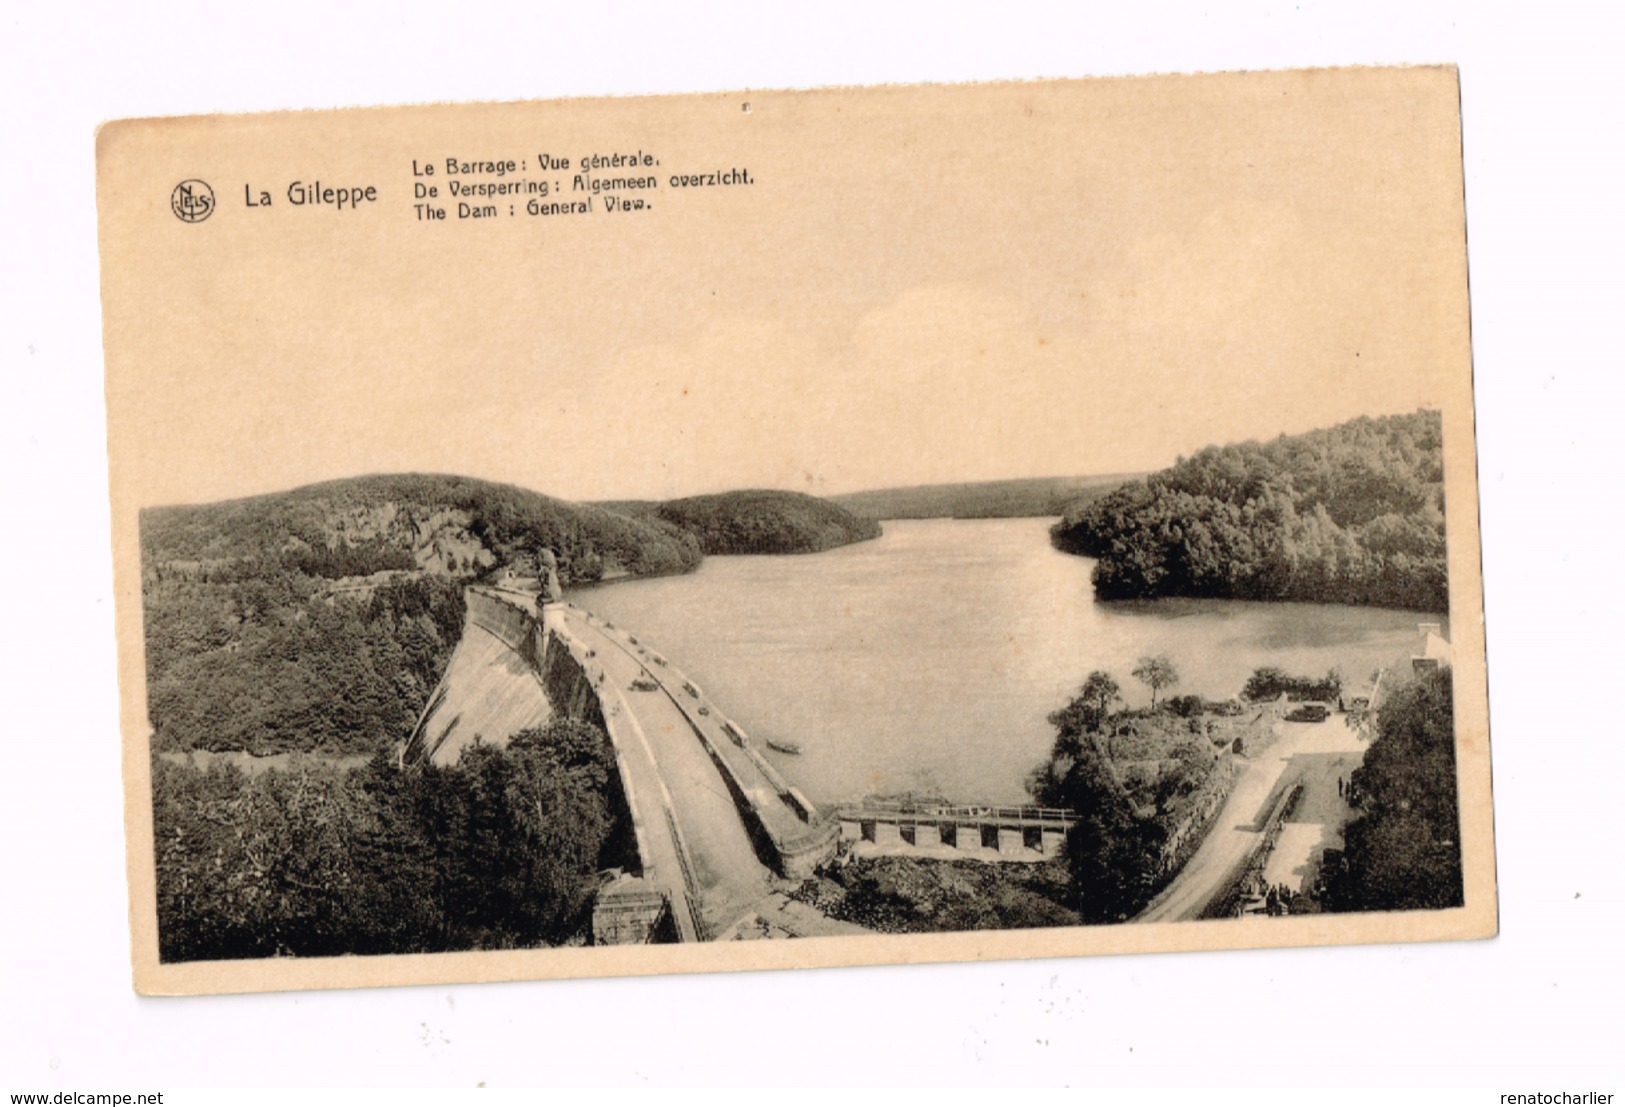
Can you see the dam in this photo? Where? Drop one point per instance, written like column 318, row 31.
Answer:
column 715, row 824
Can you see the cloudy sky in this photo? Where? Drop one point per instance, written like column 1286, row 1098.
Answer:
column 929, row 284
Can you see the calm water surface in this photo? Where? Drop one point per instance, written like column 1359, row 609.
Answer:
column 929, row 658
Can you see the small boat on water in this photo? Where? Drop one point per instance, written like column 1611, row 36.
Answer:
column 783, row 747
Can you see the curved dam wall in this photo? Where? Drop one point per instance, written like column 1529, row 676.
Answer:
column 509, row 673
column 515, row 668
column 503, row 677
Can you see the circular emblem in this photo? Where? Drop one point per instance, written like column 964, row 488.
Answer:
column 192, row 201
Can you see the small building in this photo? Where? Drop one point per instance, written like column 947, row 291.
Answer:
column 1432, row 651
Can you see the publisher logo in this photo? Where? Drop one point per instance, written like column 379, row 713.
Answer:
column 192, row 201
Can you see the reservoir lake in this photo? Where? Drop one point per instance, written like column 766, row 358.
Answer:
column 928, row 659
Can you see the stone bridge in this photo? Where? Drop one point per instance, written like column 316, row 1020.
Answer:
column 714, row 822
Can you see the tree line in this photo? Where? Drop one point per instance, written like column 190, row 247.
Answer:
column 361, row 525
column 274, row 664
column 500, row 850
column 1350, row 514
column 756, row 521
column 1269, row 682
column 1402, row 850
column 766, row 522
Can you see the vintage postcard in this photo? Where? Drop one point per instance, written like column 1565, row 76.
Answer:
column 778, row 529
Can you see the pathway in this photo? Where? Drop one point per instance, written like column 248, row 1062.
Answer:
column 1316, row 824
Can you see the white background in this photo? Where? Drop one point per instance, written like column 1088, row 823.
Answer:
column 1538, row 1007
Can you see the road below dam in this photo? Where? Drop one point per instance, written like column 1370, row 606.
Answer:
column 1314, row 755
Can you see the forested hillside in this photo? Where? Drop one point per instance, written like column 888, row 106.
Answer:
column 320, row 619
column 1034, row 497
column 1351, row 514
column 448, row 524
column 766, row 522
column 275, row 664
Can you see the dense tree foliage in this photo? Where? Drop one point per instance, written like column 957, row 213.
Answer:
column 1112, row 850
column 499, row 850
column 917, row 895
column 1269, row 682
column 1143, row 783
column 361, row 525
column 1100, row 691
column 1351, row 514
column 766, row 522
column 275, row 664
column 1403, row 850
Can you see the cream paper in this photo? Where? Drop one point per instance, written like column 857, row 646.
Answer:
column 822, row 291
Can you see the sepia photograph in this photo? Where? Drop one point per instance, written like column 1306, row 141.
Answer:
column 796, row 528
column 823, row 546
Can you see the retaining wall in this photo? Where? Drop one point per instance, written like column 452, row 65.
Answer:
column 1228, row 902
